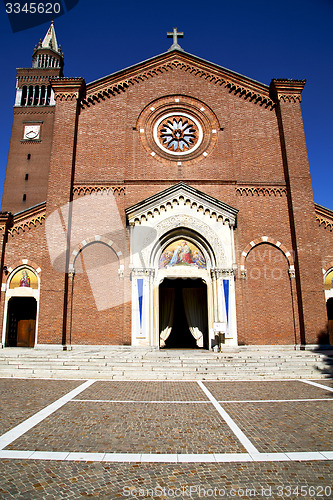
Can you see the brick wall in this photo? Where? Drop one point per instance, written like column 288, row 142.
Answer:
column 18, row 164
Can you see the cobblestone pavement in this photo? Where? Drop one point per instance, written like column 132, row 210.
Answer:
column 256, row 439
column 54, row 480
column 19, row 399
column 267, row 390
column 294, row 426
column 143, row 391
column 122, row 428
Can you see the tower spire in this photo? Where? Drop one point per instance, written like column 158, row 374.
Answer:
column 50, row 39
column 48, row 53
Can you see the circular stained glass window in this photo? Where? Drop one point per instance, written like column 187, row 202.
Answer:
column 178, row 134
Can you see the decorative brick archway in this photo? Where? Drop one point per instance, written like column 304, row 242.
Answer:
column 266, row 239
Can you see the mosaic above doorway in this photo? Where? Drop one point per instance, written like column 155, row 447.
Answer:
column 329, row 281
column 182, row 253
column 24, row 278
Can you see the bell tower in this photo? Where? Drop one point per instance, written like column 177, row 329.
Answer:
column 30, row 145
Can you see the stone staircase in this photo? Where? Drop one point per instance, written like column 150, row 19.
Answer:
column 129, row 363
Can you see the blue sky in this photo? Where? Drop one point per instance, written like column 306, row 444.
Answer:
column 259, row 39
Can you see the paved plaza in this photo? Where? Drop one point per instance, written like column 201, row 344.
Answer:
column 170, row 439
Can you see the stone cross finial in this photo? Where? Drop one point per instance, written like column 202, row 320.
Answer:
column 175, row 35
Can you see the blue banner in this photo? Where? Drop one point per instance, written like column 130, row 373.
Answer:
column 140, row 296
column 226, row 297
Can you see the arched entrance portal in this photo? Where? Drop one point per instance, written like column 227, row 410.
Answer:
column 21, row 322
column 21, row 308
column 183, row 316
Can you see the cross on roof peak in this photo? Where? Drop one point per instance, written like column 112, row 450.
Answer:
column 175, row 35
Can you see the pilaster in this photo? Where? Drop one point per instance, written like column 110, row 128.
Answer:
column 311, row 304
column 68, row 93
column 6, row 222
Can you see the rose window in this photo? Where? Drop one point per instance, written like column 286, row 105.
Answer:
column 178, row 134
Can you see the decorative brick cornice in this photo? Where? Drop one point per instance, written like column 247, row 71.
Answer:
column 37, row 75
column 68, row 89
column 327, row 224
column 33, row 110
column 6, row 221
column 30, row 218
column 83, row 189
column 261, row 191
column 287, row 90
column 235, row 83
column 324, row 216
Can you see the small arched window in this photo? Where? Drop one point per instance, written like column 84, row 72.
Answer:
column 36, row 96
column 30, row 95
column 48, row 95
column 24, row 96
column 42, row 95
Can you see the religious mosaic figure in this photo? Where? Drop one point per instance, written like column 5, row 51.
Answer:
column 199, row 259
column 25, row 280
column 165, row 259
column 185, row 255
column 182, row 253
column 176, row 257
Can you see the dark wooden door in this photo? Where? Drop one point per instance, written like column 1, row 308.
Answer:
column 26, row 333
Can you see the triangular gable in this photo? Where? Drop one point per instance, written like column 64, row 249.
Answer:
column 178, row 60
column 177, row 194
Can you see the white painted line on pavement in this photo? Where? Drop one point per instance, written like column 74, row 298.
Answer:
column 250, row 448
column 122, row 457
column 268, row 457
column 85, row 457
column 49, row 455
column 159, row 457
column 274, row 400
column 135, row 401
column 317, row 385
column 233, row 457
column 28, row 424
column 20, row 454
column 306, row 455
column 193, row 457
column 166, row 457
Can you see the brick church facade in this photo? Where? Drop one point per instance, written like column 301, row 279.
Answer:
column 160, row 206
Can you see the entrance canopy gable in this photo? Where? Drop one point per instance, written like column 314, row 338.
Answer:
column 178, row 194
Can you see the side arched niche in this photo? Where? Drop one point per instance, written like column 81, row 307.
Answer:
column 96, row 302
column 269, row 316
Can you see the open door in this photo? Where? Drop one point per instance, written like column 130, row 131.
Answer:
column 186, row 326
column 21, row 322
